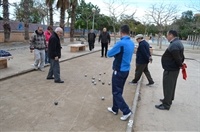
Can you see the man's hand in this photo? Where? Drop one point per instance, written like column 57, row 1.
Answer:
column 56, row 58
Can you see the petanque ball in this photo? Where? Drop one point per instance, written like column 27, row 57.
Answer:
column 102, row 98
column 55, row 103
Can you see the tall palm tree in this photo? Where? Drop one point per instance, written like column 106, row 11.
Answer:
column 73, row 4
column 26, row 19
column 49, row 3
column 6, row 24
column 63, row 5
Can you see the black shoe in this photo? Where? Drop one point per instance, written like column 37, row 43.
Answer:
column 101, row 56
column 60, row 81
column 161, row 100
column 149, row 84
column 161, row 107
column 49, row 78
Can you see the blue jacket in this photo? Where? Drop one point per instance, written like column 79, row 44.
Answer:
column 122, row 51
column 143, row 53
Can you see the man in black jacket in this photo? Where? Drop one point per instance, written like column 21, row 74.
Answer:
column 143, row 57
column 54, row 52
column 104, row 37
column 172, row 61
column 91, row 39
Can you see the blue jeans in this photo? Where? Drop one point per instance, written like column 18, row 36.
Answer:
column 118, row 82
column 46, row 57
column 54, row 70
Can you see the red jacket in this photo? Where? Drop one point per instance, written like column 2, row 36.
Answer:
column 47, row 35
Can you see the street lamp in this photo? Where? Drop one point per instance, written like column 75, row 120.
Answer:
column 93, row 10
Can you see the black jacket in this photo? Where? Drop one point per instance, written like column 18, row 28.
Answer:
column 143, row 53
column 91, row 37
column 104, row 37
column 54, row 47
column 173, row 57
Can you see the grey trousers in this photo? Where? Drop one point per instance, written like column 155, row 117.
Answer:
column 39, row 58
column 169, row 86
column 140, row 68
column 54, row 70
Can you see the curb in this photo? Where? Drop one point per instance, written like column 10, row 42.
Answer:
column 131, row 122
column 32, row 69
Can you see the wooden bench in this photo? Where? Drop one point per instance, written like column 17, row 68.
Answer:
column 4, row 61
column 77, row 47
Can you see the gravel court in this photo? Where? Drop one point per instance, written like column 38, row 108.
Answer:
column 27, row 101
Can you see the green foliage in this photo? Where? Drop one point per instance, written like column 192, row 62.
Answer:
column 37, row 12
column 188, row 24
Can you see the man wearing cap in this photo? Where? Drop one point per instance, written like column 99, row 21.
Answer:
column 143, row 57
column 122, row 51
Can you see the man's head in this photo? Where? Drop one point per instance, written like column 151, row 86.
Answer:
column 171, row 34
column 104, row 29
column 40, row 30
column 59, row 31
column 139, row 38
column 125, row 30
column 91, row 31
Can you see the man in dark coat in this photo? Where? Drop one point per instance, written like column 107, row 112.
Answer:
column 54, row 52
column 91, row 39
column 104, row 37
column 143, row 57
column 172, row 61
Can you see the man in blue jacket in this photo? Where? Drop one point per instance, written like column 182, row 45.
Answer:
column 122, row 52
column 143, row 57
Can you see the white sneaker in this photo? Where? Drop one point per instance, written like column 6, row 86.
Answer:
column 125, row 117
column 41, row 69
column 110, row 110
column 35, row 67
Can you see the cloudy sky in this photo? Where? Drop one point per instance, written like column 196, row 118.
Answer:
column 140, row 6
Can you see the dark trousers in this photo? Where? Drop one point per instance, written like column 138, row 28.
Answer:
column 91, row 45
column 118, row 81
column 169, row 86
column 54, row 70
column 140, row 68
column 104, row 46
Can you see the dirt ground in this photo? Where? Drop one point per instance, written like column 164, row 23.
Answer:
column 27, row 101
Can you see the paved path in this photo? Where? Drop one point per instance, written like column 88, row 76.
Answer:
column 184, row 114
column 27, row 101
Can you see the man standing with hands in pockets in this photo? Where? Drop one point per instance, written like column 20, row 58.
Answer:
column 54, row 52
column 122, row 52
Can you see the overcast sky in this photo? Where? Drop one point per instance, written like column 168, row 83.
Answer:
column 140, row 6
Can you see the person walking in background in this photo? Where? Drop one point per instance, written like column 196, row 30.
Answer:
column 47, row 35
column 91, row 39
column 38, row 44
column 143, row 57
column 54, row 52
column 122, row 52
column 104, row 37
column 172, row 60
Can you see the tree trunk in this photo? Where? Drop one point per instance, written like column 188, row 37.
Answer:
column 26, row 20
column 62, row 22
column 114, row 30
column 51, row 14
column 73, row 16
column 6, row 22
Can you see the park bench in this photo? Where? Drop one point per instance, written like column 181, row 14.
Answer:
column 77, row 47
column 4, row 61
column 78, row 37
